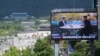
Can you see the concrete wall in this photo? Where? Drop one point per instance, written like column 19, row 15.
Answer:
column 99, row 19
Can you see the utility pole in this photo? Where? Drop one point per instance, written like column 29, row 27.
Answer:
column 56, row 48
column 92, row 47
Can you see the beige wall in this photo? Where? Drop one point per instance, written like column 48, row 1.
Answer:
column 42, row 34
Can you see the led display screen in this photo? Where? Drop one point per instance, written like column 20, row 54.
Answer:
column 74, row 25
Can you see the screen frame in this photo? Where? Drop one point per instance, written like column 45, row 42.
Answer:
column 85, row 11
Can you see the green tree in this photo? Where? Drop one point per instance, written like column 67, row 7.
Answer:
column 10, row 27
column 43, row 48
column 13, row 51
column 97, row 48
column 83, row 48
column 37, row 22
column 27, row 52
column 76, row 54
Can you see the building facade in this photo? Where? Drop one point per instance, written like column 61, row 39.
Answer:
column 19, row 16
column 27, row 24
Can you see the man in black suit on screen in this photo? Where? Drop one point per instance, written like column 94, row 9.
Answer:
column 62, row 23
column 87, row 29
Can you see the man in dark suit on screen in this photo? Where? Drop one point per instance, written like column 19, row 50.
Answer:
column 62, row 23
column 87, row 27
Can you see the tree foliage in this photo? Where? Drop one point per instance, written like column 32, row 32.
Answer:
column 83, row 48
column 43, row 48
column 76, row 54
column 27, row 52
column 97, row 48
column 13, row 51
column 39, row 7
column 9, row 27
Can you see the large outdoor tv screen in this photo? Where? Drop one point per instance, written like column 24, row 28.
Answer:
column 74, row 25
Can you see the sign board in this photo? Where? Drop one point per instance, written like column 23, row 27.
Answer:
column 74, row 24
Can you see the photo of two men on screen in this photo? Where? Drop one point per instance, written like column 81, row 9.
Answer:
column 74, row 25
